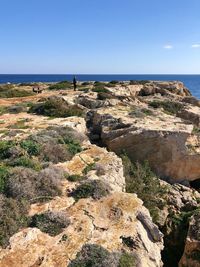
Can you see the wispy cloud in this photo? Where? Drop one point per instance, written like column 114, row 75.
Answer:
column 196, row 46
column 168, row 46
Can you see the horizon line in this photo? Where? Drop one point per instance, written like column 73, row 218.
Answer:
column 99, row 74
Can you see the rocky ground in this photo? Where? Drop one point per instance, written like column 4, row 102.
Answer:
column 105, row 176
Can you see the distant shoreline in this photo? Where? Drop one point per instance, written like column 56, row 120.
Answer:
column 191, row 81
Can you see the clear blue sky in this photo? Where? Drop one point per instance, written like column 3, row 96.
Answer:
column 100, row 36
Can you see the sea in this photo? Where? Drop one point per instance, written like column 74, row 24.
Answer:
column 192, row 82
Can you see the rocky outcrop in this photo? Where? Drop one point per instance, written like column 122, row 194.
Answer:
column 164, row 88
column 165, row 143
column 124, row 117
column 107, row 222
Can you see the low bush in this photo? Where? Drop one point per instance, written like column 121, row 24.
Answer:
column 89, row 167
column 142, row 181
column 26, row 162
column 91, row 188
column 54, row 152
column 100, row 89
column 32, row 148
column 51, row 223
column 60, row 86
column 5, row 149
column 13, row 216
column 114, row 82
column 141, row 113
column 127, row 260
column 92, row 255
column 196, row 130
column 56, row 107
column 24, row 183
column 74, row 146
column 21, row 183
column 75, row 178
column 5, row 93
column 3, row 110
column 4, row 173
column 136, row 82
column 49, row 182
column 58, row 144
column 169, row 107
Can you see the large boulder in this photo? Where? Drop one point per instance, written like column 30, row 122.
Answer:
column 167, row 143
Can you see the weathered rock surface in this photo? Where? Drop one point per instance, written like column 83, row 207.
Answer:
column 123, row 120
column 166, row 141
column 105, row 222
column 164, row 88
column 191, row 255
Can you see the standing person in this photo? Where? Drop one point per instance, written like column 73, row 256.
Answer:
column 74, row 83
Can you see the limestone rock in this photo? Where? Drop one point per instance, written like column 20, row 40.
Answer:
column 91, row 222
column 166, row 142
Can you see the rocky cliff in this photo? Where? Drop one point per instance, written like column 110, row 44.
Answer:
column 74, row 186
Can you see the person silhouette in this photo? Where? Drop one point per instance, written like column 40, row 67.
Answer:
column 74, row 83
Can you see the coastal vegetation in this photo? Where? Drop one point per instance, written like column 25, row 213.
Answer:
column 56, row 107
column 141, row 180
column 8, row 91
column 170, row 107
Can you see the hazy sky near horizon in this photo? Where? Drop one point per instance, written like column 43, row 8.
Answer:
column 100, row 36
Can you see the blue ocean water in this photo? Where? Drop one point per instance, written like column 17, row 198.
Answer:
column 192, row 82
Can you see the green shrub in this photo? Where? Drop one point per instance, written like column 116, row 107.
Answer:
column 89, row 167
column 13, row 216
column 92, row 255
column 136, row 82
column 74, row 146
column 196, row 130
column 142, row 181
column 4, row 148
column 51, row 223
column 100, row 89
column 3, row 110
column 60, row 86
column 93, row 188
column 75, row 178
column 32, row 148
column 99, row 83
column 141, row 112
column 114, row 82
column 127, row 260
column 56, row 107
column 169, row 107
column 26, row 162
column 5, row 93
column 4, row 173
